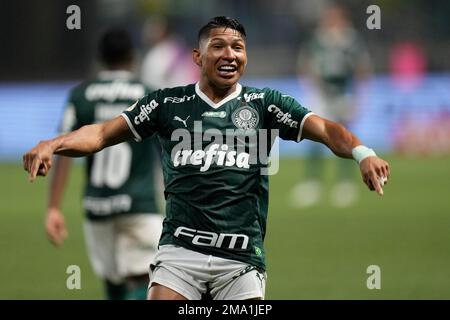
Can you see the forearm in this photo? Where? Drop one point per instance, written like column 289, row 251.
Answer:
column 81, row 142
column 334, row 135
column 84, row 141
column 343, row 143
column 340, row 140
column 58, row 182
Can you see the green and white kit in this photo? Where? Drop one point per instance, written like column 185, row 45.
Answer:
column 216, row 196
column 119, row 179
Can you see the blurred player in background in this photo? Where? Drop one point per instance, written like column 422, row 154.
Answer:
column 123, row 225
column 168, row 62
column 217, row 199
column 333, row 62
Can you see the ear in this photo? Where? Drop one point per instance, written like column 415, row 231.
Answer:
column 196, row 57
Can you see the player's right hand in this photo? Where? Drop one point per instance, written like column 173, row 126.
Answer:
column 55, row 227
column 375, row 173
column 38, row 160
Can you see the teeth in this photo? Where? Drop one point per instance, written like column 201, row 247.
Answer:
column 227, row 68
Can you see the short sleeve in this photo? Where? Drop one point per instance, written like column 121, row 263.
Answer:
column 284, row 113
column 69, row 121
column 142, row 116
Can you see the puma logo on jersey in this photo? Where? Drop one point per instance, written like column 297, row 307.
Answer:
column 260, row 278
column 177, row 118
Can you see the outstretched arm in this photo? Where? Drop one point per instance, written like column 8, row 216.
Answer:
column 343, row 143
column 84, row 141
column 55, row 226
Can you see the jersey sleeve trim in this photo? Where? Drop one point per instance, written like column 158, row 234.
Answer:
column 137, row 137
column 300, row 131
column 69, row 119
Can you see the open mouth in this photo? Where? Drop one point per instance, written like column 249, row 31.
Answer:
column 227, row 70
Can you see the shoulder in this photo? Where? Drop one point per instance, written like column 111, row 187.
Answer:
column 188, row 89
column 262, row 94
column 78, row 91
column 176, row 94
column 265, row 91
column 166, row 96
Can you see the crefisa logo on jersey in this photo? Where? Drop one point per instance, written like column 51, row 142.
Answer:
column 239, row 148
column 245, row 118
column 145, row 112
column 283, row 117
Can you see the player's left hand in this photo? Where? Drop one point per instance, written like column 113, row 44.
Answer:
column 55, row 226
column 375, row 173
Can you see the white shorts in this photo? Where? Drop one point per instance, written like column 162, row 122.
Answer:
column 192, row 274
column 122, row 246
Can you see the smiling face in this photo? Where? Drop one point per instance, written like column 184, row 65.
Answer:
column 222, row 58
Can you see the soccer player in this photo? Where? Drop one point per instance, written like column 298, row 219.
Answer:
column 217, row 198
column 333, row 61
column 123, row 225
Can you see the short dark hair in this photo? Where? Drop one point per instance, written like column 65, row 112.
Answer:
column 218, row 22
column 116, row 47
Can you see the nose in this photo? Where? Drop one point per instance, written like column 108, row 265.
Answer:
column 228, row 54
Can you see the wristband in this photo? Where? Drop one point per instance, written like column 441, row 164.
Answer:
column 361, row 152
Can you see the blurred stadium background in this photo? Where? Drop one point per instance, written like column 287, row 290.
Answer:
column 316, row 253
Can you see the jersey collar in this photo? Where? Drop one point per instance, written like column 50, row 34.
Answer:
column 115, row 75
column 205, row 98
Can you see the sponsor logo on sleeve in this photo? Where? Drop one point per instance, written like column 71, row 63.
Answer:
column 146, row 109
column 130, row 108
column 282, row 117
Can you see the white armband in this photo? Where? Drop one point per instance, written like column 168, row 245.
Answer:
column 361, row 152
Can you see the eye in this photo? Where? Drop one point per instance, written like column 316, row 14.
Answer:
column 238, row 46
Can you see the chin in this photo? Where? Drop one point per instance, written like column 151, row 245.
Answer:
column 226, row 83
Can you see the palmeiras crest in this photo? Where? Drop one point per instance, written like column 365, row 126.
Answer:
column 245, row 118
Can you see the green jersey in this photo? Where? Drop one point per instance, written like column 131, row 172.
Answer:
column 217, row 198
column 119, row 179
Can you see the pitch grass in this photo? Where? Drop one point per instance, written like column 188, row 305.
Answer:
column 316, row 253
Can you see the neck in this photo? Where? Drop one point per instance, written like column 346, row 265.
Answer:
column 215, row 93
